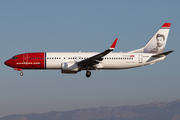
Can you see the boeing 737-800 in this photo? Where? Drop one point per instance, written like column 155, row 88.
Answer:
column 73, row 62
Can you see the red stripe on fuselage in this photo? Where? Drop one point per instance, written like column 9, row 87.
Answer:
column 29, row 61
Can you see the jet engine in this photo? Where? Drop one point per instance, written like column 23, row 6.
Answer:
column 69, row 67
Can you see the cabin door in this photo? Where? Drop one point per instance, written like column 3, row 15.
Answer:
column 140, row 58
column 25, row 58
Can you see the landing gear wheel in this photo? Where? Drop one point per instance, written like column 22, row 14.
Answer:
column 21, row 73
column 88, row 74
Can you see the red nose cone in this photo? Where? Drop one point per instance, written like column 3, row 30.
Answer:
column 7, row 63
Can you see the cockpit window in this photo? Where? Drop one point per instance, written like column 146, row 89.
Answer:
column 14, row 58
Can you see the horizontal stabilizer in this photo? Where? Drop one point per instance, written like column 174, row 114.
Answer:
column 163, row 54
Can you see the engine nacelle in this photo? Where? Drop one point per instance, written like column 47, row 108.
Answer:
column 69, row 67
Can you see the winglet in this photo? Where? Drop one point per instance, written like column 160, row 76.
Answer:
column 114, row 44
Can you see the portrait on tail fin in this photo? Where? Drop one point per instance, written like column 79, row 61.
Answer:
column 160, row 44
column 157, row 45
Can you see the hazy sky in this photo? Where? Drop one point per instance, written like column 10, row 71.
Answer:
column 69, row 25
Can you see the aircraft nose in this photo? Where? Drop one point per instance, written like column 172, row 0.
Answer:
column 7, row 62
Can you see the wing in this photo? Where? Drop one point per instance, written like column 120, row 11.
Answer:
column 97, row 58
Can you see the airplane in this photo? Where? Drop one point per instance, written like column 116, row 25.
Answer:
column 74, row 62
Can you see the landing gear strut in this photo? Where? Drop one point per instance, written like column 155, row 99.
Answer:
column 88, row 73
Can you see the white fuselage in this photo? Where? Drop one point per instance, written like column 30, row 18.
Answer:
column 110, row 61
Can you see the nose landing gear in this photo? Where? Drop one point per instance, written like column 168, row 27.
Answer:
column 21, row 74
column 19, row 69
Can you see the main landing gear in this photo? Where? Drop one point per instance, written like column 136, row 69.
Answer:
column 88, row 73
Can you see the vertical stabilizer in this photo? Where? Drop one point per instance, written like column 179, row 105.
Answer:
column 158, row 42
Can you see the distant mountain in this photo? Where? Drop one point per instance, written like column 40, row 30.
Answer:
column 153, row 111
